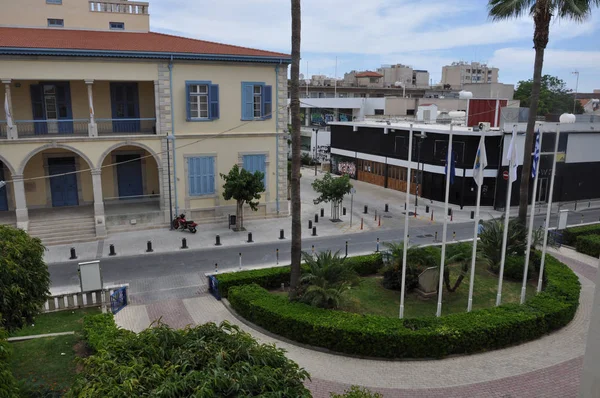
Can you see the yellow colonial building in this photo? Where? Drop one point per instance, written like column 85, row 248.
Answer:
column 107, row 126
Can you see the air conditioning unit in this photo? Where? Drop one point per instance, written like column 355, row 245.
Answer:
column 484, row 126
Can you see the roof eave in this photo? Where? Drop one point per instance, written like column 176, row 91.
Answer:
column 143, row 55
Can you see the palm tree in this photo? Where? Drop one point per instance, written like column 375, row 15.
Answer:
column 542, row 12
column 295, row 177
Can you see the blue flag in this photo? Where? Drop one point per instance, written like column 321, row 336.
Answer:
column 536, row 155
column 452, row 168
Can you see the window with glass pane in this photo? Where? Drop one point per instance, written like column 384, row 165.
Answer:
column 53, row 22
column 257, row 101
column 198, row 101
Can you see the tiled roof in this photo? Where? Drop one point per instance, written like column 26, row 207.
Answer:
column 368, row 74
column 63, row 39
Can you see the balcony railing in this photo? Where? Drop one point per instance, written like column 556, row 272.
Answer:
column 3, row 129
column 61, row 127
column 126, row 126
column 117, row 7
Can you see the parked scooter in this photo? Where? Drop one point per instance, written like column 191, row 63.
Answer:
column 181, row 223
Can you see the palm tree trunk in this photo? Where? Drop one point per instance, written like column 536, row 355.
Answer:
column 296, row 142
column 541, row 19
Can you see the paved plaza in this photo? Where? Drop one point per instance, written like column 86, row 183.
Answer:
column 547, row 367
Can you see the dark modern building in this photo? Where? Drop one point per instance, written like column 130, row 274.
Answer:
column 377, row 152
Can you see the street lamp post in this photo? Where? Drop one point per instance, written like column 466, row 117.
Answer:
column 316, row 147
column 576, row 88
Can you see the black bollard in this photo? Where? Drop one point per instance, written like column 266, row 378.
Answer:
column 387, row 208
column 218, row 241
column 111, row 250
column 346, row 248
column 316, row 218
column 309, row 224
column 449, row 212
column 366, row 209
column 404, row 206
column 73, row 254
column 322, row 212
column 426, row 209
column 472, row 215
column 250, row 237
column 149, row 247
column 184, row 243
column 314, row 231
column 343, row 211
column 281, row 234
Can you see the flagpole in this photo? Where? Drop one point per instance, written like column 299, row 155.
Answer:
column 405, row 242
column 537, row 149
column 505, row 231
column 545, row 245
column 474, row 253
column 449, row 159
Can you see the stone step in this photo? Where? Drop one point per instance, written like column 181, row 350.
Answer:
column 64, row 241
column 138, row 227
column 44, row 228
column 66, row 234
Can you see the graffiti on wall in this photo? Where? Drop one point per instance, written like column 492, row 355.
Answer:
column 348, row 168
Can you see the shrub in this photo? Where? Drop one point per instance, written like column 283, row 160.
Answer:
column 513, row 267
column 428, row 337
column 588, row 244
column 357, row 392
column 203, row 361
column 570, row 234
column 365, row 265
column 418, row 259
column 8, row 386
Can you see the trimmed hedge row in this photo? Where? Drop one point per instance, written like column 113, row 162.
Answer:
column 570, row 234
column 428, row 337
column 271, row 278
column 588, row 244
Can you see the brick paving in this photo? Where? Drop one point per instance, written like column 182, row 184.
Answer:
column 547, row 367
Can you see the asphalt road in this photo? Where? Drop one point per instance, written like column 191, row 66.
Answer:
column 184, row 269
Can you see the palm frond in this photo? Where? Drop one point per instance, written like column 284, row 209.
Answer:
column 508, row 9
column 576, row 10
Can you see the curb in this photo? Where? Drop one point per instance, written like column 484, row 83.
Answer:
column 39, row 336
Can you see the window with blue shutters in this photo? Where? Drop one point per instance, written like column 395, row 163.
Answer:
column 257, row 101
column 254, row 163
column 201, row 175
column 202, row 98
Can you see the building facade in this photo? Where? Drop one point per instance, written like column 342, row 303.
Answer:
column 127, row 128
column 459, row 73
column 404, row 74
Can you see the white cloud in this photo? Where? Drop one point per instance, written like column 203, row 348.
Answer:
column 522, row 59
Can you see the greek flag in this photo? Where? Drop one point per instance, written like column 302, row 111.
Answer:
column 536, row 155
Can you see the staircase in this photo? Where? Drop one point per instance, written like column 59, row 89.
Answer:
column 60, row 227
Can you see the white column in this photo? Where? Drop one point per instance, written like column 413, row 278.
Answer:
column 11, row 133
column 20, row 202
column 99, row 217
column 590, row 375
column 92, row 126
column 157, row 107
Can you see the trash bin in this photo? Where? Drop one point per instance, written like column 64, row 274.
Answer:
column 232, row 219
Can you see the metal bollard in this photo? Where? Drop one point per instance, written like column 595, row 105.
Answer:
column 281, row 234
column 277, row 255
column 361, row 223
column 472, row 215
column 582, row 218
column 184, row 243
column 316, row 218
column 346, row 248
column 366, row 211
column 379, row 221
column 426, row 209
column 343, row 211
column 449, row 212
column 250, row 237
column 216, row 268
column 240, row 261
column 313, row 250
column 322, row 212
column 375, row 216
column 377, row 248
column 404, row 206
column 111, row 250
column 453, row 235
column 435, row 239
column 431, row 215
column 149, row 247
column 218, row 241
column 73, row 254
column 314, row 233
column 408, row 240
column 387, row 208
column 575, row 209
column 309, row 224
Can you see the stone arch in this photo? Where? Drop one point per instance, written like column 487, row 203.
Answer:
column 138, row 144
column 8, row 165
column 54, row 146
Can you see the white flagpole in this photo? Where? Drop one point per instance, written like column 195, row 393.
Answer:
column 474, row 253
column 449, row 159
column 505, row 231
column 335, row 80
column 545, row 245
column 405, row 242
column 531, row 217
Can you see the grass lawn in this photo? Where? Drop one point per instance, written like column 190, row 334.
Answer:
column 371, row 298
column 40, row 363
column 55, row 322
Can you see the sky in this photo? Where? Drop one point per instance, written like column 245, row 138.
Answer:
column 363, row 35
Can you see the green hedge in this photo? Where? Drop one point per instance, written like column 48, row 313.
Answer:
column 570, row 234
column 271, row 278
column 588, row 244
column 8, row 385
column 428, row 337
column 99, row 330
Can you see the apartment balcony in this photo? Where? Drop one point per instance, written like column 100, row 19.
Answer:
column 130, row 7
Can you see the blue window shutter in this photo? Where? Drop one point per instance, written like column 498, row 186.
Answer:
column 211, row 178
column 262, row 167
column 187, row 101
column 214, row 101
column 247, row 101
column 253, row 163
column 267, row 100
column 201, row 175
column 192, row 176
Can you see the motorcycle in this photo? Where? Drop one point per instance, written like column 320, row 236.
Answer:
column 183, row 224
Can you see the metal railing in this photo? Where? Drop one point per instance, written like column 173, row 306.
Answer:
column 126, row 126
column 74, row 300
column 3, row 129
column 61, row 127
column 137, row 8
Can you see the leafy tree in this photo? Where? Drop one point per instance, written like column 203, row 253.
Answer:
column 326, row 279
column 555, row 98
column 357, row 392
column 24, row 277
column 243, row 187
column 332, row 190
column 203, row 361
column 296, row 247
column 542, row 12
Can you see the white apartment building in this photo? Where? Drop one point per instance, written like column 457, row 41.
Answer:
column 460, row 73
